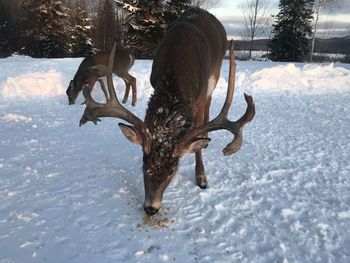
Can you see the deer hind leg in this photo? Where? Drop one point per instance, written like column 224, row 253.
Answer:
column 127, row 91
column 130, row 81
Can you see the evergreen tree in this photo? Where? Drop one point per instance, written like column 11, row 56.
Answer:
column 8, row 27
column 44, row 28
column 145, row 26
column 81, row 43
column 174, row 9
column 292, row 30
column 108, row 28
column 5, row 46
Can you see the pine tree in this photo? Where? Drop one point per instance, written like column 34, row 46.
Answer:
column 5, row 19
column 145, row 26
column 44, row 28
column 108, row 28
column 81, row 43
column 292, row 31
column 8, row 27
column 174, row 9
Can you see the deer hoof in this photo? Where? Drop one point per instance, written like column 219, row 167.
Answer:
column 202, row 181
column 203, row 186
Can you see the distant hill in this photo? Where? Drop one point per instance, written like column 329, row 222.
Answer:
column 336, row 45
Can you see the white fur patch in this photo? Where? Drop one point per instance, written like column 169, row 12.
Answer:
column 131, row 60
column 211, row 85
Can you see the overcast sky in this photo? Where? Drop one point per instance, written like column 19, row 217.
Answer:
column 334, row 20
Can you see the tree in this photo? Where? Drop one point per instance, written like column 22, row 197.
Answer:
column 5, row 29
column 8, row 27
column 318, row 12
column 255, row 20
column 144, row 25
column 206, row 4
column 108, row 26
column 327, row 6
column 81, row 43
column 44, row 28
column 174, row 9
column 292, row 30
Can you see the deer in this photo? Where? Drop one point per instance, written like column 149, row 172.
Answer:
column 89, row 72
column 185, row 71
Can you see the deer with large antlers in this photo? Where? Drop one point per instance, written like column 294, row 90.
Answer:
column 90, row 71
column 184, row 74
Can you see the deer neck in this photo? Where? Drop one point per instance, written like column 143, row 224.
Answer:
column 79, row 79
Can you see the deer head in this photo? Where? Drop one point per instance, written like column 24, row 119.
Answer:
column 72, row 92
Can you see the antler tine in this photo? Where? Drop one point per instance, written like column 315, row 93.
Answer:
column 221, row 121
column 231, row 82
column 112, row 107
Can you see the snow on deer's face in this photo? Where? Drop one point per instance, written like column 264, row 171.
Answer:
column 166, row 125
column 159, row 167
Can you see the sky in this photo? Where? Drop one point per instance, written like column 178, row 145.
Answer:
column 335, row 14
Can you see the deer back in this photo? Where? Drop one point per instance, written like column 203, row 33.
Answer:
column 190, row 51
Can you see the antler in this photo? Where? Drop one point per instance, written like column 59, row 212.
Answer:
column 221, row 121
column 112, row 107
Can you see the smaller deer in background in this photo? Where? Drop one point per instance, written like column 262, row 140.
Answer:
column 89, row 72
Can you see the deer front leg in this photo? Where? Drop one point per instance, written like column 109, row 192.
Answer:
column 201, row 179
column 87, row 88
column 103, row 87
column 201, row 116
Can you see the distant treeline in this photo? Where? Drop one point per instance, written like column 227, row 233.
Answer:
column 336, row 45
column 76, row 28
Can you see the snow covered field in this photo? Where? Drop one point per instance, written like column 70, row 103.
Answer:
column 70, row 194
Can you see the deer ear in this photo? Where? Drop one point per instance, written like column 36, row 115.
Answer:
column 131, row 133
column 196, row 145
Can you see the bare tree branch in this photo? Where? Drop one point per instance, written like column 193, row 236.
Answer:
column 256, row 21
column 319, row 4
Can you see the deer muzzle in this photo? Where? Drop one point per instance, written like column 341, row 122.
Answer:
column 151, row 207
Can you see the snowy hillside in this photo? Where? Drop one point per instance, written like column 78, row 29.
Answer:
column 70, row 194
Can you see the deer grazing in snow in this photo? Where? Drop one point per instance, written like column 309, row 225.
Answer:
column 89, row 72
column 185, row 71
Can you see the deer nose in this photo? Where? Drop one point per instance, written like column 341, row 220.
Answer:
column 151, row 210
column 71, row 100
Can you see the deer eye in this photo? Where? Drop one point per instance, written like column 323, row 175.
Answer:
column 145, row 158
column 173, row 141
column 172, row 171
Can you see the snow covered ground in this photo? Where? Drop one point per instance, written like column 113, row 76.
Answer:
column 70, row 194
